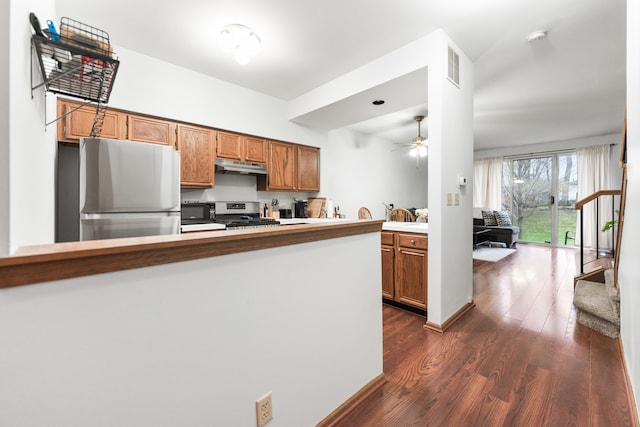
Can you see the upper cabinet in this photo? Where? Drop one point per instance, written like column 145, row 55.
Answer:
column 281, row 167
column 147, row 129
column 197, row 148
column 308, row 168
column 78, row 123
column 240, row 147
column 256, row 149
column 291, row 167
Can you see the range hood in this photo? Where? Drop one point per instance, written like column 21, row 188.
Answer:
column 244, row 168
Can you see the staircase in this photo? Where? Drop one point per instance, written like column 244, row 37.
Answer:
column 598, row 304
column 596, row 294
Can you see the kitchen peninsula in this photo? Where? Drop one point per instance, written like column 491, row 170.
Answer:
column 153, row 317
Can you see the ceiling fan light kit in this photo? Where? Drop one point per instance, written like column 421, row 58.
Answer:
column 418, row 147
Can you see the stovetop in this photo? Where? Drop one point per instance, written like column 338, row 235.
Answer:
column 246, row 221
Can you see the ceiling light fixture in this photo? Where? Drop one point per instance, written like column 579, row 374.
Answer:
column 536, row 36
column 418, row 147
column 241, row 40
column 419, row 143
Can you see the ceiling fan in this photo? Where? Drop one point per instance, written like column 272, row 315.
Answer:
column 418, row 145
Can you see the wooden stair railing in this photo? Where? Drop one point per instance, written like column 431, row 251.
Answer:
column 623, row 199
column 580, row 206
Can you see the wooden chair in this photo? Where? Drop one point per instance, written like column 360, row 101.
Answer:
column 401, row 215
column 364, row 213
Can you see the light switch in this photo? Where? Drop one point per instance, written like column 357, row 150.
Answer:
column 456, row 199
column 448, row 199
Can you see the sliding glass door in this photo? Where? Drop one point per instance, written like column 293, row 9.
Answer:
column 539, row 192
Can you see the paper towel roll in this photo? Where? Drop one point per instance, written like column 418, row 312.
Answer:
column 329, row 208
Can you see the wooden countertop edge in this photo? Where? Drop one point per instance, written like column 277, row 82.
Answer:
column 36, row 264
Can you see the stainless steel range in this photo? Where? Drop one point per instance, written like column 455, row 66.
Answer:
column 239, row 215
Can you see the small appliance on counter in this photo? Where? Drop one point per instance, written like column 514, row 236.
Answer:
column 128, row 189
column 196, row 212
column 286, row 213
column 300, row 208
column 198, row 216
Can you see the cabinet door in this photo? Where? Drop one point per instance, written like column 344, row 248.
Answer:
column 411, row 277
column 388, row 271
column 308, row 168
column 197, row 147
column 78, row 124
column 281, row 166
column 145, row 129
column 256, row 150
column 229, row 146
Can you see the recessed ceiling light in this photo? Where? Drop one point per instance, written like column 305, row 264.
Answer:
column 378, row 102
column 536, row 36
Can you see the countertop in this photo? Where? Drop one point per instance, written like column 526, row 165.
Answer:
column 45, row 263
column 409, row 227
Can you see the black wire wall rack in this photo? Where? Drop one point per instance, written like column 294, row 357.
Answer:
column 78, row 62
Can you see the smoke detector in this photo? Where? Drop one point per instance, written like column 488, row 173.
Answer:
column 536, row 36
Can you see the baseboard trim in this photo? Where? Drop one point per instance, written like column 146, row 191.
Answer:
column 450, row 321
column 352, row 403
column 627, row 383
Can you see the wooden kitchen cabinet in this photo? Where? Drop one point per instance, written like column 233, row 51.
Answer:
column 308, row 176
column 155, row 131
column 229, row 146
column 291, row 167
column 281, row 168
column 405, row 274
column 256, row 149
column 78, row 124
column 197, row 148
column 240, row 147
column 388, row 264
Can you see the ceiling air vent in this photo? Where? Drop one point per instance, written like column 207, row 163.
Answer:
column 453, row 72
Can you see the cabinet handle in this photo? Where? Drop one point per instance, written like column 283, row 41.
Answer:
column 413, row 242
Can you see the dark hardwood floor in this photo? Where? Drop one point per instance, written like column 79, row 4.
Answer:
column 517, row 359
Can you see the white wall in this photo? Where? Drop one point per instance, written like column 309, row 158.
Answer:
column 366, row 172
column 31, row 150
column 5, row 107
column 450, row 155
column 628, row 273
column 145, row 84
column 196, row 343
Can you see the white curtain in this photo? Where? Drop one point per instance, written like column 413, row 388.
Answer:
column 593, row 176
column 487, row 183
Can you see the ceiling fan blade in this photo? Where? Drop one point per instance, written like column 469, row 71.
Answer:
column 403, row 148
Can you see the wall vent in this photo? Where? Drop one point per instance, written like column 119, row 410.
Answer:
column 453, row 72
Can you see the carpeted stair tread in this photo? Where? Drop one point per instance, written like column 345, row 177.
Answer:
column 593, row 297
column 598, row 305
column 597, row 324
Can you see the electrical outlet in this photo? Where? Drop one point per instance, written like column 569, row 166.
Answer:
column 456, row 199
column 448, row 199
column 264, row 409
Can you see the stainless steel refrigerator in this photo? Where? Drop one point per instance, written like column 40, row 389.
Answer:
column 128, row 189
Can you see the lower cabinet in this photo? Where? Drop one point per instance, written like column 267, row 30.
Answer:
column 405, row 268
